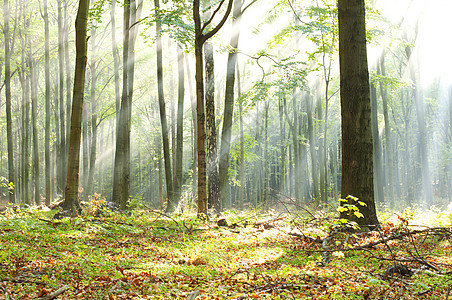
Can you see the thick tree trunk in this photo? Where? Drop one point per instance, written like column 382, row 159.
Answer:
column 211, row 132
column 71, row 201
column 357, row 167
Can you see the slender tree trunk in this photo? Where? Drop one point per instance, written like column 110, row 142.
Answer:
column 115, row 61
column 211, row 147
column 68, row 75
column 420, row 117
column 195, row 129
column 9, row 129
column 200, row 115
column 229, row 100
column 242, row 143
column 357, row 167
column 93, row 100
column 122, row 168
column 322, row 156
column 71, row 201
column 180, row 122
column 376, row 146
column 34, row 114
column 312, row 149
column 48, row 192
column 165, row 136
column 62, row 141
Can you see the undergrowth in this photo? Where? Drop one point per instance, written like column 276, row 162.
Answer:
column 145, row 254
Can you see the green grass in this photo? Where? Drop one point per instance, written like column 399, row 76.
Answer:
column 147, row 256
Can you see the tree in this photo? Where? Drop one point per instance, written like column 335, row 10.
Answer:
column 211, row 131
column 166, row 151
column 71, row 201
column 200, row 38
column 47, row 104
column 357, row 168
column 9, row 129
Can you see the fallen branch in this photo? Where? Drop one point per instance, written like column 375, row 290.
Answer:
column 54, row 294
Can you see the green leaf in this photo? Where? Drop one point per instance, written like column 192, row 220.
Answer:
column 341, row 209
column 358, row 214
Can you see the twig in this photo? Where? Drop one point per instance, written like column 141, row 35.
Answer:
column 55, row 294
column 166, row 216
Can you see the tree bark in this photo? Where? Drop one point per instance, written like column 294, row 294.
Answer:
column 223, row 165
column 388, row 150
column 122, row 168
column 71, row 201
column 34, row 114
column 357, row 167
column 165, row 136
column 376, row 148
column 211, row 132
column 180, row 122
column 48, row 191
column 200, row 39
column 9, row 129
column 93, row 100
column 62, row 141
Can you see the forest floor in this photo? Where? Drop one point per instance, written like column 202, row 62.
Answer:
column 249, row 255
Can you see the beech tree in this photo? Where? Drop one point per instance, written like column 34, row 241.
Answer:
column 200, row 38
column 357, row 162
column 71, row 201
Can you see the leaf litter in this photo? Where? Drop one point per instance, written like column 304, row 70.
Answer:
column 146, row 255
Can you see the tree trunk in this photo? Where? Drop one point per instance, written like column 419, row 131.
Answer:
column 115, row 61
column 313, row 152
column 211, row 147
column 34, row 114
column 68, row 75
column 180, row 122
column 93, row 100
column 195, row 129
column 62, row 141
column 420, row 117
column 242, row 144
column 121, row 176
column 165, row 135
column 229, row 100
column 71, row 201
column 48, row 192
column 357, row 167
column 376, row 146
column 388, row 150
column 200, row 39
column 9, row 129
